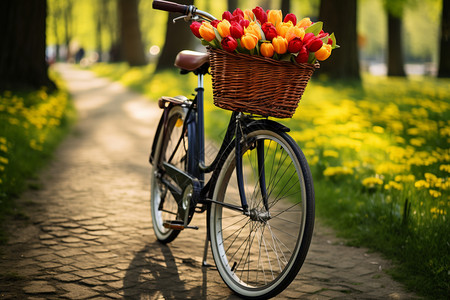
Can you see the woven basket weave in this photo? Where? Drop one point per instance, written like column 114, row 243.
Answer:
column 257, row 85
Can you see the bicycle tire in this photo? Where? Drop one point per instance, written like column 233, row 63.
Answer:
column 166, row 145
column 247, row 248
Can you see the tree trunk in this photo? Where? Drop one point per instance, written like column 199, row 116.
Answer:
column 444, row 57
column 232, row 5
column 22, row 50
column 395, row 63
column 131, row 42
column 286, row 7
column 178, row 37
column 340, row 17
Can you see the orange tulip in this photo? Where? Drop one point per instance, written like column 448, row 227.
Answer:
column 249, row 41
column 282, row 28
column 224, row 28
column 266, row 49
column 324, row 52
column 275, row 17
column 305, row 22
column 248, row 14
column 280, row 45
column 207, row 31
column 294, row 32
column 254, row 29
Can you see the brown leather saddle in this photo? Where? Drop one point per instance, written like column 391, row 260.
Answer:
column 192, row 61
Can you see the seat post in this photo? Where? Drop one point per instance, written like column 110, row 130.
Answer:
column 200, row 128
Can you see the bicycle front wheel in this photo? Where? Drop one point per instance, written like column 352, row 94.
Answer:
column 260, row 252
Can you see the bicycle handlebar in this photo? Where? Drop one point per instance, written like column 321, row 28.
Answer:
column 170, row 6
column 189, row 11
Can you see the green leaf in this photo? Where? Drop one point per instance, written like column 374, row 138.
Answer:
column 311, row 58
column 218, row 37
column 263, row 36
column 333, row 38
column 315, row 28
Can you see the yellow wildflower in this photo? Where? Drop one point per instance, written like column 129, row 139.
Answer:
column 371, row 182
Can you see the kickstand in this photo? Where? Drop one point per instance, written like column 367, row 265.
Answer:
column 205, row 251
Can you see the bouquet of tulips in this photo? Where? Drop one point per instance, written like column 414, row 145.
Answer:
column 267, row 33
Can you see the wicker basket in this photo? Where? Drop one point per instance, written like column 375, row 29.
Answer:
column 257, row 85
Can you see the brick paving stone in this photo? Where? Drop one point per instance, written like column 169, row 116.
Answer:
column 67, row 277
column 77, row 291
column 90, row 233
column 39, row 287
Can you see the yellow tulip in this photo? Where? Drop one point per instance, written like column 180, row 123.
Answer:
column 224, row 28
column 294, row 32
column 249, row 41
column 266, row 49
column 207, row 31
column 248, row 14
column 280, row 45
column 283, row 27
column 305, row 22
column 275, row 17
column 323, row 53
column 254, row 29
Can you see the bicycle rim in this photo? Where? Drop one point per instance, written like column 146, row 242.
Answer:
column 259, row 254
column 163, row 205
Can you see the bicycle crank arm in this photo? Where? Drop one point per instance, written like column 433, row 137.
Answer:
column 184, row 188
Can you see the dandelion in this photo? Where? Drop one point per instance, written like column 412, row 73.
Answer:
column 372, row 182
column 335, row 171
column 378, row 129
column 445, row 168
column 393, row 185
column 330, row 153
column 421, row 184
column 405, row 178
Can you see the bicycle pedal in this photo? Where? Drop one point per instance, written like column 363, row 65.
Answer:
column 177, row 225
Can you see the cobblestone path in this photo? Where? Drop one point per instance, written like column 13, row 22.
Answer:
column 89, row 235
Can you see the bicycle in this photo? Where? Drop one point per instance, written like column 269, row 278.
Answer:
column 259, row 199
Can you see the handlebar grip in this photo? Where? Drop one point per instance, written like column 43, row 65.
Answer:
column 170, row 6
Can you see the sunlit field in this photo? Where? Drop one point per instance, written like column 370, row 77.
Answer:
column 380, row 158
column 31, row 125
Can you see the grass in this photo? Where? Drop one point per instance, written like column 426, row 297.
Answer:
column 32, row 125
column 380, row 158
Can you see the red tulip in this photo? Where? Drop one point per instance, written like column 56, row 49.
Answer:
column 295, row 45
column 269, row 31
column 312, row 42
column 214, row 23
column 290, row 17
column 236, row 30
column 229, row 43
column 238, row 12
column 303, row 56
column 244, row 23
column 227, row 16
column 195, row 26
column 260, row 14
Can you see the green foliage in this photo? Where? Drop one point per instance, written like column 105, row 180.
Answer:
column 32, row 124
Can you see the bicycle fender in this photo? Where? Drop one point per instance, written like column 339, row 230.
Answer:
column 268, row 123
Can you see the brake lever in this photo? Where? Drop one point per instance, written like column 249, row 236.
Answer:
column 190, row 15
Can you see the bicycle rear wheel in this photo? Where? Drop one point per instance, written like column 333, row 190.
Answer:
column 258, row 254
column 169, row 149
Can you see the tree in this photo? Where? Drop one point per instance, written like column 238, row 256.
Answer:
column 285, row 6
column 22, row 50
column 178, row 37
column 232, row 5
column 131, row 41
column 340, row 17
column 444, row 57
column 395, row 61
